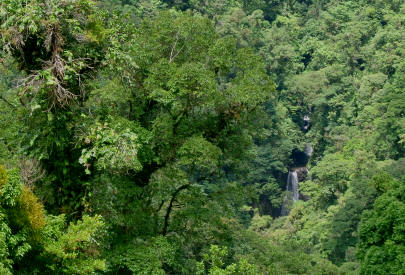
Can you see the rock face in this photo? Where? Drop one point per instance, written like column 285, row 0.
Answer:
column 301, row 158
column 302, row 173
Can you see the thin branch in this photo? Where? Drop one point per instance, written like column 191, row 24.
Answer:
column 171, row 59
column 172, row 55
column 8, row 102
column 160, row 206
column 174, row 46
column 169, row 209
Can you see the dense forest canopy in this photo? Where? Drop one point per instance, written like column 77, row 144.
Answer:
column 202, row 137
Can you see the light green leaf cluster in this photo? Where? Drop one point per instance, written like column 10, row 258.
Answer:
column 113, row 149
column 73, row 251
column 198, row 153
column 214, row 260
column 146, row 256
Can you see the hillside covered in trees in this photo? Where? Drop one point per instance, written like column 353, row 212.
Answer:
column 221, row 137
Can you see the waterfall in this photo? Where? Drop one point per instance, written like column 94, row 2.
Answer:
column 292, row 185
column 292, row 192
column 299, row 172
column 308, row 150
column 306, row 121
column 295, row 175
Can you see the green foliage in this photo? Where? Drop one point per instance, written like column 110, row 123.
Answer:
column 5, row 261
column 14, row 234
column 3, row 177
column 57, row 44
column 260, row 223
column 155, row 138
column 215, row 260
column 31, row 211
column 10, row 187
column 330, row 179
column 114, row 148
column 198, row 153
column 32, row 241
column 381, row 239
column 73, row 251
column 9, row 124
column 145, row 257
column 48, row 39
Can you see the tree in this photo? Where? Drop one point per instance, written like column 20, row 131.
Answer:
column 381, row 244
column 57, row 45
column 33, row 242
column 163, row 121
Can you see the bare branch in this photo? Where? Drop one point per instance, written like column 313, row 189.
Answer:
column 30, row 171
column 172, row 54
column 177, row 53
column 58, row 94
column 174, row 46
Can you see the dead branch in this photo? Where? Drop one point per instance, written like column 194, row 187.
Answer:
column 30, row 171
column 58, row 94
column 172, row 54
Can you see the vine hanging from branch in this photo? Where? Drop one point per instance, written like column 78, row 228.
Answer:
column 56, row 43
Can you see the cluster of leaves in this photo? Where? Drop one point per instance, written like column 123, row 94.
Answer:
column 48, row 38
column 381, row 237
column 34, row 242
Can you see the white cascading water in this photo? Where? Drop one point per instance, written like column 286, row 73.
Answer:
column 292, row 192
column 292, row 185
column 308, row 150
